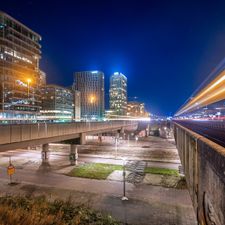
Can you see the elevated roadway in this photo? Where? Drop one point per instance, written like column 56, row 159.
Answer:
column 25, row 135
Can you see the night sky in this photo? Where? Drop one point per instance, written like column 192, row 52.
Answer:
column 165, row 48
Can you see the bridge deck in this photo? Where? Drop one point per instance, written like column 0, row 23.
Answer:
column 24, row 135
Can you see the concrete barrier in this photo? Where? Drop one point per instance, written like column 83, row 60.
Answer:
column 204, row 167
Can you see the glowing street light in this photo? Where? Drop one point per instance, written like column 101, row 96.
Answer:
column 136, row 139
column 28, row 86
column 92, row 99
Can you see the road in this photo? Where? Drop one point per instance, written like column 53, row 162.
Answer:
column 213, row 130
column 155, row 151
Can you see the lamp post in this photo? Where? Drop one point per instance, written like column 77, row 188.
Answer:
column 124, row 198
column 3, row 96
column 28, row 87
column 136, row 139
column 116, row 146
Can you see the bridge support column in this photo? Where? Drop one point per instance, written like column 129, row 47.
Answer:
column 45, row 153
column 100, row 138
column 122, row 132
column 73, row 154
column 83, row 138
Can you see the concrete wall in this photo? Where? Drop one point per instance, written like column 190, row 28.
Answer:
column 204, row 166
column 24, row 135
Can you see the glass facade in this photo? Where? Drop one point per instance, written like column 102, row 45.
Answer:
column 57, row 104
column 20, row 97
column 136, row 109
column 118, row 94
column 90, row 84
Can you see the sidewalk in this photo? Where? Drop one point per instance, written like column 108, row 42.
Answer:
column 147, row 205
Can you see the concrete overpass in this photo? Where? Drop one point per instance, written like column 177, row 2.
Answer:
column 204, row 167
column 14, row 136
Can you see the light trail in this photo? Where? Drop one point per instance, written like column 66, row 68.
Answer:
column 213, row 92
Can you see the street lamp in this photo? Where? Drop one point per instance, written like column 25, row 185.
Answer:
column 28, row 87
column 124, row 198
column 128, row 138
column 3, row 95
column 136, row 139
column 92, row 99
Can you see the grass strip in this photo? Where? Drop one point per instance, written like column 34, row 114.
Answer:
column 161, row 171
column 98, row 171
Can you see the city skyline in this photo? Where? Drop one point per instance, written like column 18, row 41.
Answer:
column 23, row 83
column 159, row 45
column 112, row 112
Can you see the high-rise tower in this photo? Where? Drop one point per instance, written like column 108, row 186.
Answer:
column 91, row 87
column 20, row 80
column 118, row 93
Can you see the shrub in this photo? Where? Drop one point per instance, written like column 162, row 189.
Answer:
column 18, row 210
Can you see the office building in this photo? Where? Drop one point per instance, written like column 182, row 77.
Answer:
column 20, row 52
column 91, row 87
column 42, row 78
column 136, row 109
column 118, row 94
column 57, row 104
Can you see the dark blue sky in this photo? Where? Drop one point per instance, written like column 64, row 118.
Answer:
column 165, row 48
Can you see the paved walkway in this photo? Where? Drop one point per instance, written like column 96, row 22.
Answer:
column 147, row 204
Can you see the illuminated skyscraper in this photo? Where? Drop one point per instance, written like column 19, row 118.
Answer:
column 57, row 103
column 118, row 94
column 91, row 87
column 20, row 81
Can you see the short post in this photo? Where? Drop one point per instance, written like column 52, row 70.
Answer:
column 10, row 170
column 124, row 198
column 45, row 153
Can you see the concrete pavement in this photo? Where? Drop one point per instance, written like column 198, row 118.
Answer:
column 147, row 204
